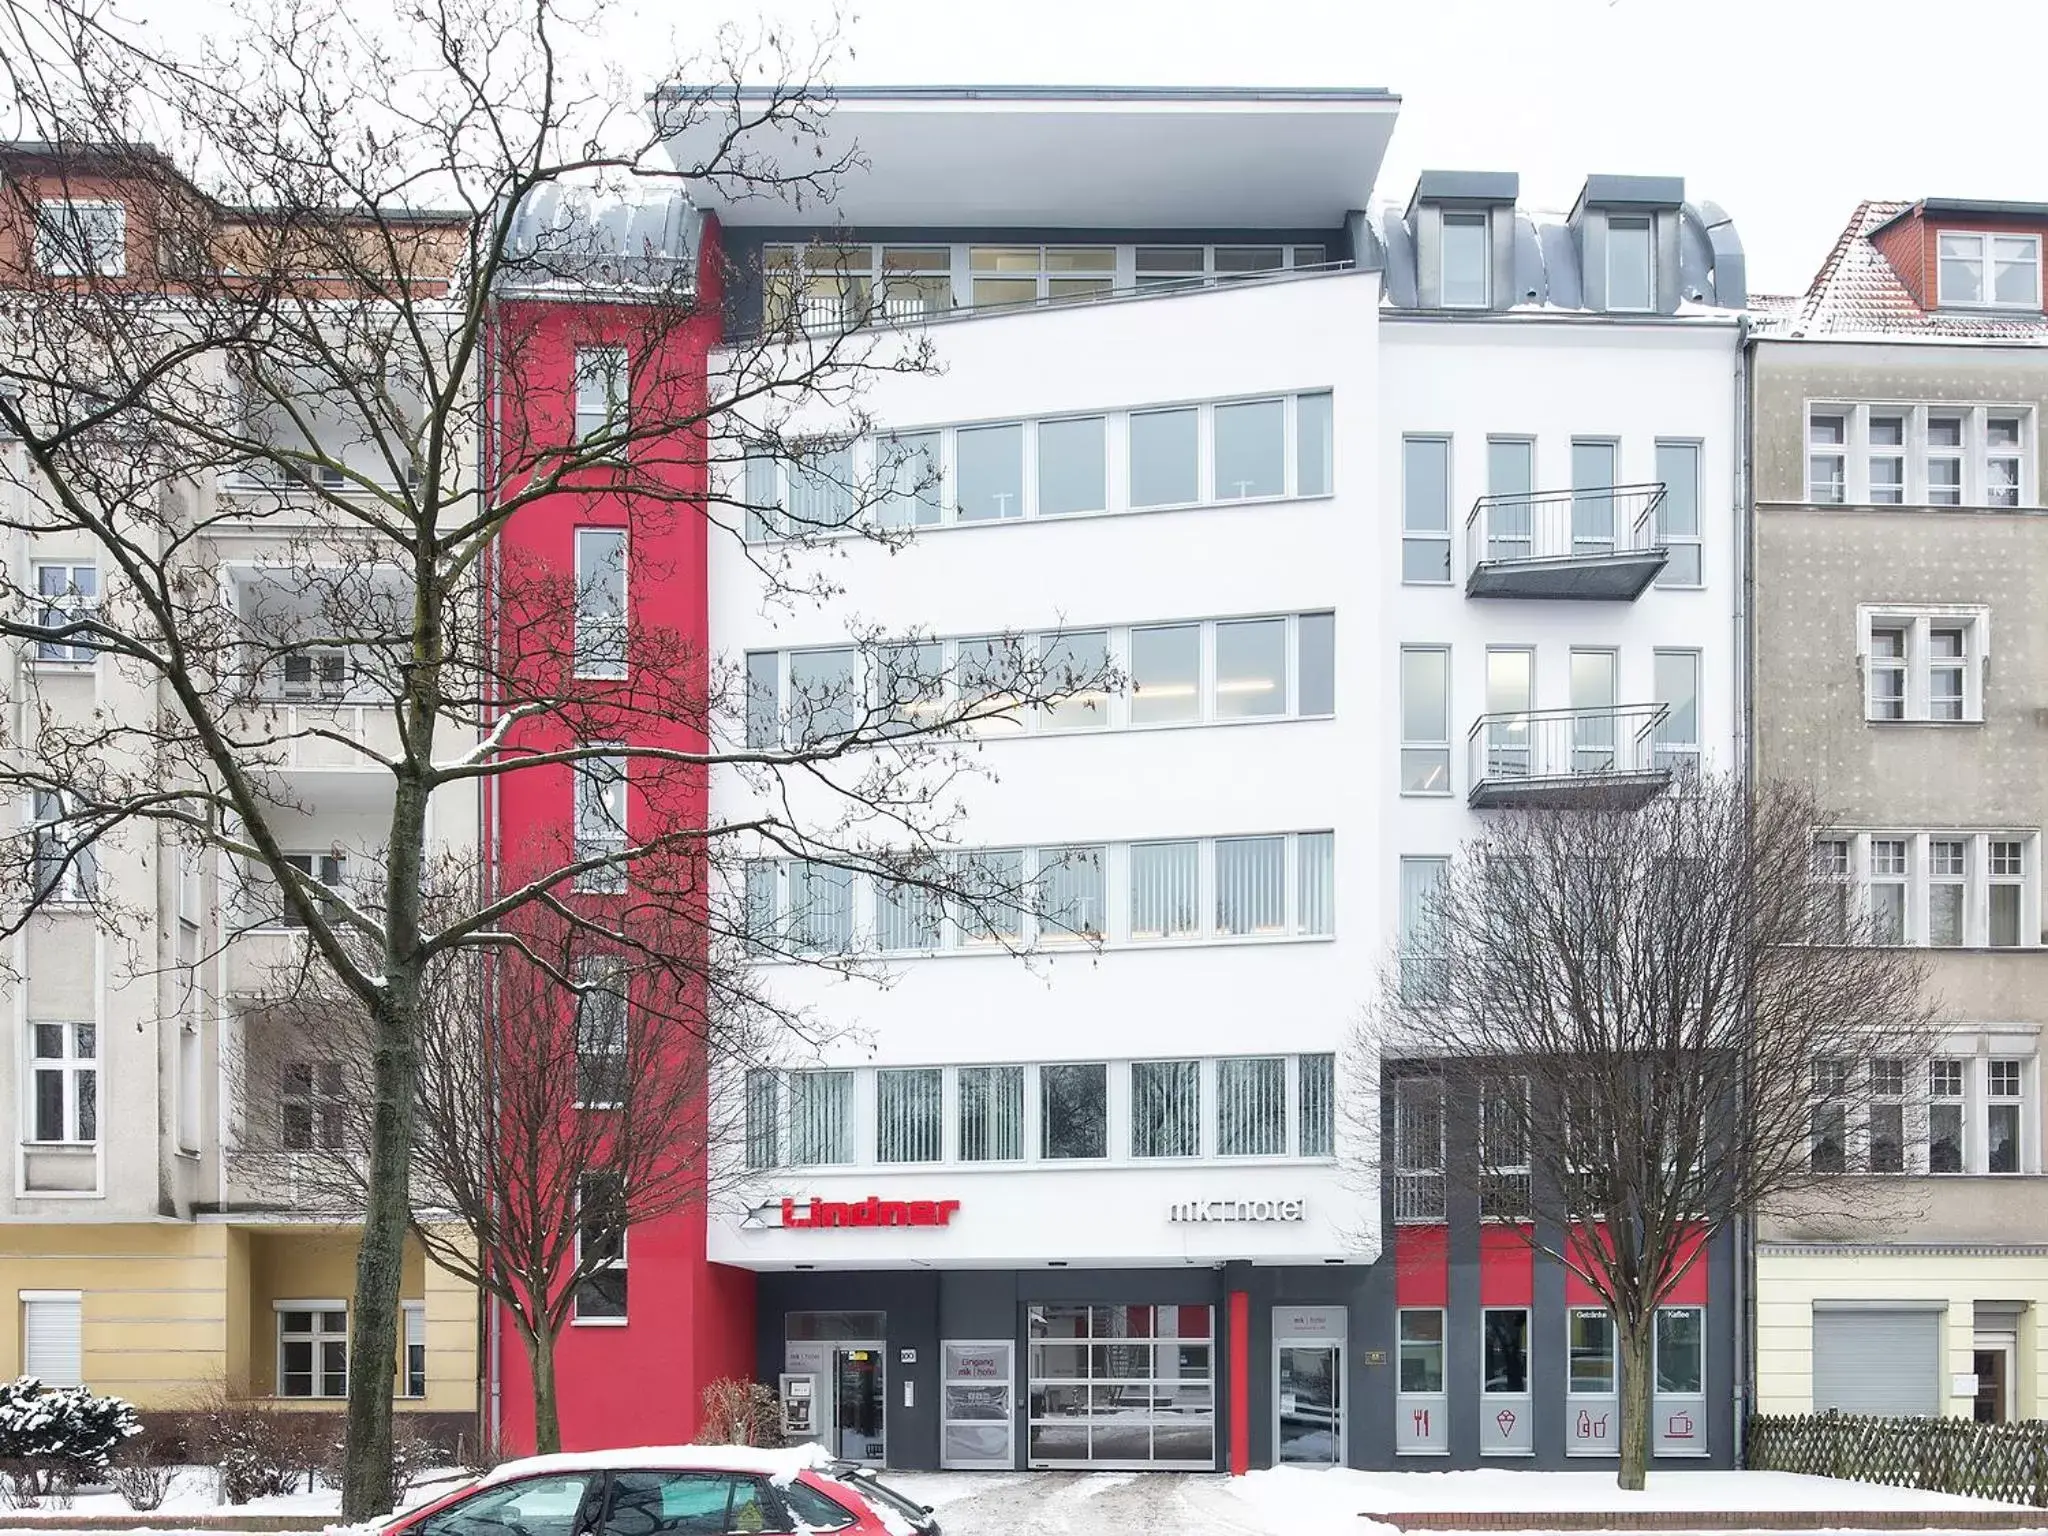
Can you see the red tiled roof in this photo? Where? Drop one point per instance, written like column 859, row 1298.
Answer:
column 1856, row 293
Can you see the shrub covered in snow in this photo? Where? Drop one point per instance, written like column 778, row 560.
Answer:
column 62, row 1434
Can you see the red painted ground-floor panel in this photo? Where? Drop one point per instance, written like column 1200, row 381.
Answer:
column 640, row 1380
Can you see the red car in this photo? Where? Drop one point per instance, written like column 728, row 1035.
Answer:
column 688, row 1490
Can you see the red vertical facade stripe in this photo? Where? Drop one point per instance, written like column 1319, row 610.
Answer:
column 1240, row 1383
column 1422, row 1266
column 1507, row 1268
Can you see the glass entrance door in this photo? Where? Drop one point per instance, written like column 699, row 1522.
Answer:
column 1311, row 1404
column 1992, row 1360
column 859, row 1398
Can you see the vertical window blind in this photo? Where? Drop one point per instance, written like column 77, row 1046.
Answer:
column 910, row 1115
column 1251, row 885
column 1251, row 1095
column 1164, row 898
column 991, row 1114
column 820, row 1118
column 1318, row 1112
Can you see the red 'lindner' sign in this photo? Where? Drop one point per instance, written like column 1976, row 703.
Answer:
column 871, row 1212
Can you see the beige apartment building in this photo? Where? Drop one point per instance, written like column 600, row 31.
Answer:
column 1899, row 662
column 146, row 1247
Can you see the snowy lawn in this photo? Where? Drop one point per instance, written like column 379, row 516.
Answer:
column 1293, row 1501
column 196, row 1491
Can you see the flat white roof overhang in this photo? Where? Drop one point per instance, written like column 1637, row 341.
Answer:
column 1066, row 159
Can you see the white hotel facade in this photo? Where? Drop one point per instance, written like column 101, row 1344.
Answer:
column 1203, row 412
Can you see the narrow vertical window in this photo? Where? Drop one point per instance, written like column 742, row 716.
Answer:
column 1425, row 720
column 600, row 602
column 2008, row 884
column 1888, row 867
column 1316, row 1134
column 67, row 594
column 600, row 820
column 910, row 1114
column 64, row 1083
column 1946, row 1147
column 1426, row 509
column 1315, row 670
column 763, row 1118
column 1631, row 274
column 601, row 1248
column 1316, row 883
column 1827, row 458
column 1424, row 970
column 1314, row 445
column 1677, row 744
column 601, row 1043
column 1467, row 261
column 1678, row 514
column 603, row 391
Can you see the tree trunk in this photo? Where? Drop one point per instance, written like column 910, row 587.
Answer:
column 380, row 1268
column 547, row 1408
column 1635, row 1407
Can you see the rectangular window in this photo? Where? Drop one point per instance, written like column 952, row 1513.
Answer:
column 2008, row 877
column 825, row 699
column 64, row 1082
column 909, row 916
column 1251, row 668
column 1946, row 1149
column 1832, row 890
column 1631, row 278
column 81, row 238
column 67, row 594
column 1888, row 646
column 1076, row 666
column 1073, row 1108
column 312, row 1349
column 1681, row 1362
column 1251, row 1106
column 1827, row 461
column 1510, row 478
column 1425, row 720
column 1165, row 674
column 1999, row 271
column 1947, row 670
column 910, row 686
column 1251, row 450
column 988, row 473
column 1945, row 432
column 1165, row 903
column 1504, row 1147
column 1315, row 670
column 907, row 465
column 414, row 1339
column 820, row 1118
column 52, row 1337
column 1422, row 1351
column 1887, row 1134
column 993, row 896
column 1166, row 1109
column 1314, row 445
column 1924, row 664
column 1316, row 883
column 1071, row 466
column 312, row 1107
column 1678, row 514
column 601, row 1249
column 1505, row 1333
column 1593, row 476
column 600, row 602
column 603, row 393
column 987, row 676
column 1886, row 461
column 820, row 906
column 991, row 1114
column 763, row 1119
column 1165, row 463
column 1316, row 1134
column 1426, row 509
column 2004, row 460
column 1591, row 1353
column 820, row 487
column 1947, row 873
column 1423, row 967
column 910, row 1108
column 1677, row 743
column 67, row 868
column 1418, row 1149
column 600, row 1031
column 1251, row 886
column 600, row 820
column 2002, row 1116
column 761, row 493
column 1467, row 261
column 1070, row 896
column 1888, row 872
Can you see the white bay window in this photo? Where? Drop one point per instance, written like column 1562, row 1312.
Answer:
column 1954, row 888
column 1933, row 455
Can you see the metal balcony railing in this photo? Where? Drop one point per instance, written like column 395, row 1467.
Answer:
column 1598, row 544
column 1558, row 756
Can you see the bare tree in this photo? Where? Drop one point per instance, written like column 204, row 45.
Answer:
column 1648, row 1022
column 270, row 409
column 570, row 1086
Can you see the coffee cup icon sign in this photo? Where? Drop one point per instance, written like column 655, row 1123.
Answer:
column 1679, row 1426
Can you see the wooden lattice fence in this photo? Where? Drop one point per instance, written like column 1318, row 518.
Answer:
column 2008, row 1462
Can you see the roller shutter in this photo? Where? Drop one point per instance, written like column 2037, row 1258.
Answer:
column 1877, row 1361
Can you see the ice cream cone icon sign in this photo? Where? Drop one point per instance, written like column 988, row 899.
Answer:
column 1506, row 1420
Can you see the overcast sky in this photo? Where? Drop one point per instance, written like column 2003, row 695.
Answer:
column 1786, row 112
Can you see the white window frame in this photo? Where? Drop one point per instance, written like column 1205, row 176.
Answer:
column 1647, row 223
column 597, row 973
column 602, row 383
column 317, row 1337
column 413, row 1320
column 1919, row 621
column 1977, row 899
column 600, row 639
column 1420, row 744
column 609, row 762
column 619, row 1262
column 1423, row 535
column 53, row 212
column 77, row 878
column 1466, row 218
column 1985, row 270
column 72, row 1066
column 1976, row 487
column 1696, row 540
column 66, row 607
column 318, row 1103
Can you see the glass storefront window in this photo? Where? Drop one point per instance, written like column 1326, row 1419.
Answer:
column 1506, row 1364
column 1592, row 1351
column 1680, row 1359
column 1120, row 1385
column 1422, row 1350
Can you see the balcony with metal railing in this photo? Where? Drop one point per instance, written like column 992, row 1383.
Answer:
column 1589, row 545
column 1557, row 758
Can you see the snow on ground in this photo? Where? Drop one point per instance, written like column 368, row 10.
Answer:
column 1298, row 1501
column 196, row 1491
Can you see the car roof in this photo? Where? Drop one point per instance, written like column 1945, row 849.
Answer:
column 780, row 1465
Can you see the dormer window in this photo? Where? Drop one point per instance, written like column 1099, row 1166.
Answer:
column 1989, row 270
column 1631, row 277
column 1467, row 256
